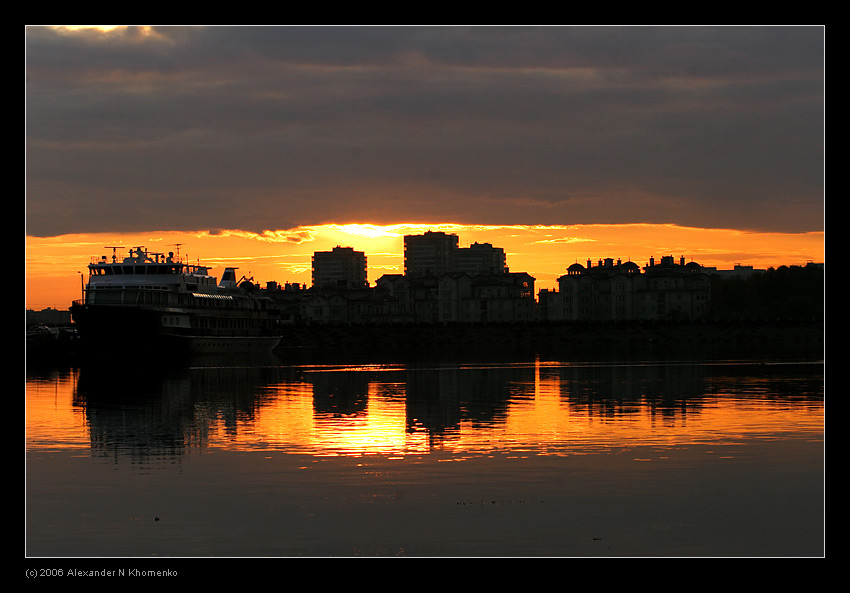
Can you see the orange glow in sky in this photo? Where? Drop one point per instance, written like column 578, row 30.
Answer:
column 56, row 266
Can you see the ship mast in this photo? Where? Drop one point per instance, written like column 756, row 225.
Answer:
column 114, row 248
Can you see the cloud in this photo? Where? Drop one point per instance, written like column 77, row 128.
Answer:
column 559, row 240
column 271, row 128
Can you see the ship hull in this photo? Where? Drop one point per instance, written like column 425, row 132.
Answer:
column 129, row 331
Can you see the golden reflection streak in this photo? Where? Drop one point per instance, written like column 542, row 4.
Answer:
column 378, row 430
column 52, row 422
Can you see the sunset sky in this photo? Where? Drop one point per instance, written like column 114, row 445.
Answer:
column 256, row 146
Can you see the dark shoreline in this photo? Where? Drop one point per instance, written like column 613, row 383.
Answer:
column 579, row 340
column 556, row 339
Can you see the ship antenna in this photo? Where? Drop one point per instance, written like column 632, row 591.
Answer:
column 113, row 248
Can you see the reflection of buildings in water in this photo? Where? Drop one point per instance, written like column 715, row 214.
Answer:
column 454, row 403
column 436, row 399
column 443, row 398
column 674, row 390
column 141, row 415
column 432, row 401
column 163, row 415
column 340, row 393
column 610, row 390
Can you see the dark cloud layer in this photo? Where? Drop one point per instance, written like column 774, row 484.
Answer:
column 184, row 128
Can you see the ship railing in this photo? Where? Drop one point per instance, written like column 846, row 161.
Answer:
column 130, row 300
column 148, row 258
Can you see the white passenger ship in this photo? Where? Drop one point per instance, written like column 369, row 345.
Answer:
column 154, row 300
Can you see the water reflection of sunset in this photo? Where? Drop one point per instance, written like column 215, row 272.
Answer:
column 54, row 265
column 544, row 413
column 293, row 422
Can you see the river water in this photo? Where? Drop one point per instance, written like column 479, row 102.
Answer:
column 541, row 458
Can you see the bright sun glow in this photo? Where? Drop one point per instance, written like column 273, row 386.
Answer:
column 145, row 29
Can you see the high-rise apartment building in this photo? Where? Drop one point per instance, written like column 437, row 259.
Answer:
column 342, row 267
column 481, row 258
column 437, row 253
column 431, row 254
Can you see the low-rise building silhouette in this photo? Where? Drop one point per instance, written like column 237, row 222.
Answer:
column 619, row 291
